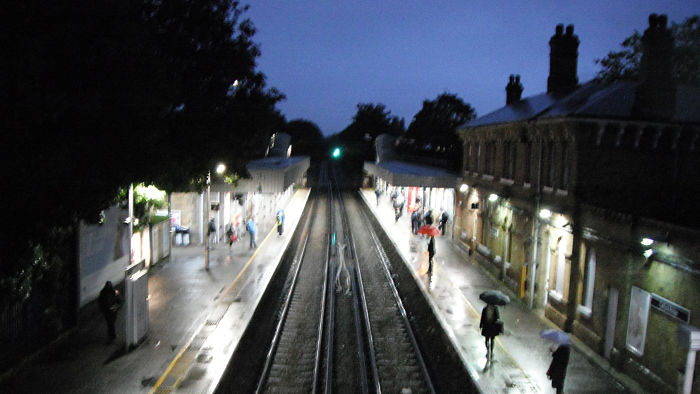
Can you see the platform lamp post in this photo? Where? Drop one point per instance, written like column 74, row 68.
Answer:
column 220, row 168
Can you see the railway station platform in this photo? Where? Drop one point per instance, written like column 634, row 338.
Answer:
column 198, row 316
column 521, row 357
column 196, row 319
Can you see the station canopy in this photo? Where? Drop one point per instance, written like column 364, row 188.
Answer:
column 401, row 173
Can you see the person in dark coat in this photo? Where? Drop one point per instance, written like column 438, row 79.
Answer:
column 557, row 369
column 428, row 218
column 444, row 217
column 109, row 302
column 431, row 253
column 489, row 327
column 415, row 221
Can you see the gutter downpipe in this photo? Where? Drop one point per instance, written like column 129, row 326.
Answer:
column 536, row 231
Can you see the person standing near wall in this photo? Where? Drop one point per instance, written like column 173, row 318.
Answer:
column 109, row 303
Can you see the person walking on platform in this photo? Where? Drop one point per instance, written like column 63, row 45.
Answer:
column 378, row 193
column 280, row 221
column 230, row 235
column 490, row 326
column 211, row 230
column 557, row 369
column 428, row 217
column 109, row 303
column 415, row 221
column 444, row 217
column 252, row 230
column 431, row 253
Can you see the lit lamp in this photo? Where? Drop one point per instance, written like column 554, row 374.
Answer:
column 220, row 168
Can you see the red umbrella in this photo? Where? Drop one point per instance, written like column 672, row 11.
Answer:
column 429, row 230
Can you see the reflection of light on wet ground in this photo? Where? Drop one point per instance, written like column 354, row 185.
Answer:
column 155, row 291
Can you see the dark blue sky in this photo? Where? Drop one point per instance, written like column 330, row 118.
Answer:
column 327, row 56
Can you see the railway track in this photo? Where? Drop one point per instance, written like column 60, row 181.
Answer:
column 336, row 320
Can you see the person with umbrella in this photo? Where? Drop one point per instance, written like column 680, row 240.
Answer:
column 491, row 324
column 560, row 358
column 431, row 231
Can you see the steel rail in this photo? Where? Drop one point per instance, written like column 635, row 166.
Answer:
column 331, row 297
column 350, row 241
column 298, row 259
column 321, row 323
column 364, row 311
column 385, row 265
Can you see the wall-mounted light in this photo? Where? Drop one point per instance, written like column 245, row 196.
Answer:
column 493, row 197
column 545, row 213
column 647, row 241
column 463, row 188
column 647, row 253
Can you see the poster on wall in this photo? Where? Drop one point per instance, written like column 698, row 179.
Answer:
column 637, row 320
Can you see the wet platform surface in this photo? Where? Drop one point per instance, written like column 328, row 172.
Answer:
column 198, row 316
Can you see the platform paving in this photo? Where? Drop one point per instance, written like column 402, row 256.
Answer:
column 198, row 316
column 521, row 357
column 196, row 319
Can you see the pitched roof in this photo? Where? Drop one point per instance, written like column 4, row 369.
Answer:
column 591, row 100
column 401, row 173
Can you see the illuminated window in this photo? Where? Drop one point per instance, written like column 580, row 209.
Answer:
column 588, row 283
column 561, row 269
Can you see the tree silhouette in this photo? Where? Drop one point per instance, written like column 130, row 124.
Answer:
column 432, row 132
column 107, row 93
column 625, row 64
column 369, row 121
column 307, row 138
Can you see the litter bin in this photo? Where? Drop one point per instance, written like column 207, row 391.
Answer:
column 185, row 236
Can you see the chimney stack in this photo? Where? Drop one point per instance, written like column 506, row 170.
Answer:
column 563, row 56
column 514, row 89
column 656, row 94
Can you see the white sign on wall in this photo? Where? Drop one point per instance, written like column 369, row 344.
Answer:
column 637, row 320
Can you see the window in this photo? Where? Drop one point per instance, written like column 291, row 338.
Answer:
column 509, row 160
column 548, row 164
column 477, row 167
column 490, row 158
column 588, row 284
column 561, row 269
column 528, row 162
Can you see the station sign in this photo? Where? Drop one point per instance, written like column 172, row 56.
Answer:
column 670, row 308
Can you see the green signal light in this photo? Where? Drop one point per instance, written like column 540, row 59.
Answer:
column 336, row 153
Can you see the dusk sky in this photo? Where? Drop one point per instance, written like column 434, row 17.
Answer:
column 328, row 56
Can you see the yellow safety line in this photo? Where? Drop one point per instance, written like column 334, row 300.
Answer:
column 175, row 360
column 182, row 351
column 505, row 349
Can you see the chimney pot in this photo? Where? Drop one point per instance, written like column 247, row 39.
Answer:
column 656, row 93
column 563, row 58
column 514, row 89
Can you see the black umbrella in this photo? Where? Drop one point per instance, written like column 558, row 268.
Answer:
column 495, row 297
